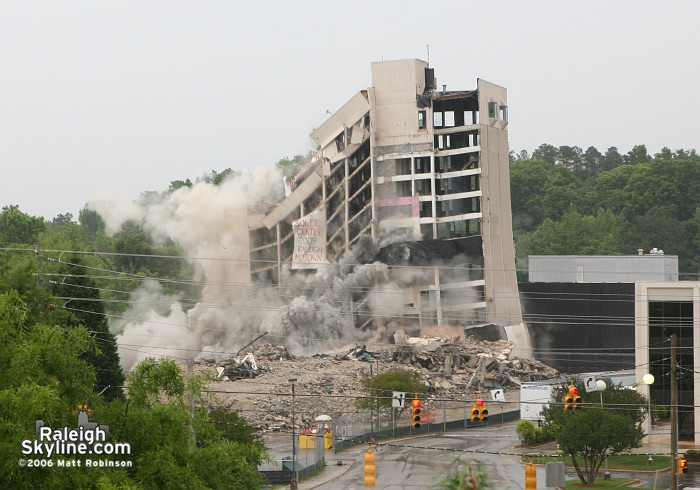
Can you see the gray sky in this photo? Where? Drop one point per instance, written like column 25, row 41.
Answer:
column 105, row 99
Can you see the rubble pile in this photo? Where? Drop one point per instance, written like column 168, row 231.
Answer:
column 240, row 369
column 449, row 364
column 269, row 352
column 330, row 383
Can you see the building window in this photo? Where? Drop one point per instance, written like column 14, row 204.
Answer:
column 437, row 119
column 471, row 117
column 492, row 110
column 340, row 142
column 504, row 113
column 449, row 119
column 421, row 119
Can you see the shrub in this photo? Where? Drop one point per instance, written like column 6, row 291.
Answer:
column 661, row 412
column 527, row 432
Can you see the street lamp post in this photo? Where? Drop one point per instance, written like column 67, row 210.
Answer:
column 649, row 380
column 600, row 384
column 293, row 485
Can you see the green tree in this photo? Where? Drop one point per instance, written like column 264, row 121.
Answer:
column 541, row 190
column 135, row 245
column 575, row 234
column 636, row 155
column 592, row 433
column 62, row 219
column 592, row 159
column 18, row 228
column 177, row 184
column 611, row 160
column 380, row 388
column 83, row 307
column 162, row 430
column 92, row 220
column 43, row 379
column 290, row 167
column 571, row 157
column 658, row 228
column 217, row 178
column 232, row 427
column 546, row 153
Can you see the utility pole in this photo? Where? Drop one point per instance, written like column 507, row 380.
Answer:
column 294, row 484
column 37, row 251
column 371, row 405
column 190, row 374
column 674, row 415
column 379, row 420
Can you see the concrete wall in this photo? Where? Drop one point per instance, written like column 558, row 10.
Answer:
column 503, row 306
column 396, row 84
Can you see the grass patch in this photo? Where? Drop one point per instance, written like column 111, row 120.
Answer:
column 600, row 483
column 631, row 462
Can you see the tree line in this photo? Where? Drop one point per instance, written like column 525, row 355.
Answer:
column 567, row 201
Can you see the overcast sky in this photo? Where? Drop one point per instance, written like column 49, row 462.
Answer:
column 112, row 98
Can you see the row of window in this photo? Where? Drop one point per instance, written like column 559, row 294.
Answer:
column 451, row 163
column 447, row 119
column 455, row 229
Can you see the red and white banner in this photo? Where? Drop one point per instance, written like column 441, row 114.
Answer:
column 309, row 240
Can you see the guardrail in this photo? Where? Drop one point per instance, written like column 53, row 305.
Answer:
column 406, row 431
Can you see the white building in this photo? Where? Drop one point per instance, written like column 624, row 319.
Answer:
column 405, row 159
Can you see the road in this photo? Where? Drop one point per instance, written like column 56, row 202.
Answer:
column 404, row 466
column 407, row 465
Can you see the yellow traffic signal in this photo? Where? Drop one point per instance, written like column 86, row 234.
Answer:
column 530, row 477
column 682, row 466
column 370, row 469
column 484, row 415
column 577, row 401
column 475, row 414
column 568, row 402
column 572, row 400
column 479, row 412
column 415, row 415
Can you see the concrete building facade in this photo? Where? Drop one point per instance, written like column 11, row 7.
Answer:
column 663, row 309
column 428, row 168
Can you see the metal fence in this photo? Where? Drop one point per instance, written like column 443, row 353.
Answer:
column 437, row 416
column 308, row 462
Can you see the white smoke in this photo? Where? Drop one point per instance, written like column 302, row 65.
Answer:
column 309, row 312
column 210, row 223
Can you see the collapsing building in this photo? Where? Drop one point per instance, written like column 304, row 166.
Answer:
column 425, row 172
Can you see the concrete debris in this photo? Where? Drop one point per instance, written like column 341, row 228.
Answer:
column 240, row 369
column 450, row 367
column 269, row 352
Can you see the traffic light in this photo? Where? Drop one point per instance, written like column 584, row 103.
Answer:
column 682, row 466
column 568, row 402
column 479, row 412
column 530, row 477
column 484, row 415
column 475, row 413
column 370, row 468
column 415, row 416
column 577, row 401
column 572, row 400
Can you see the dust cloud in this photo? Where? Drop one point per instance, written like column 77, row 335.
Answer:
column 310, row 312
